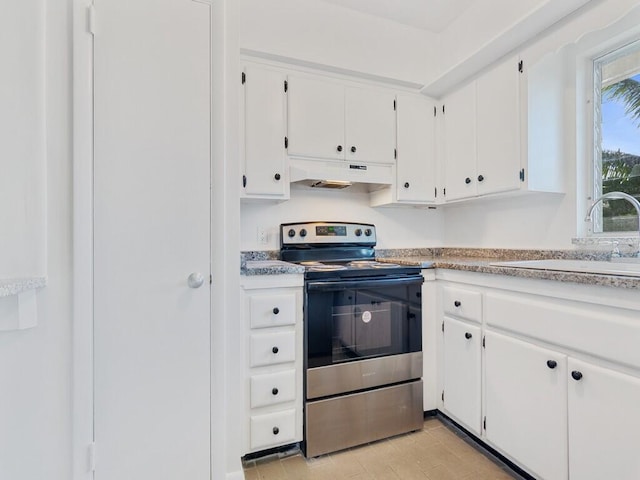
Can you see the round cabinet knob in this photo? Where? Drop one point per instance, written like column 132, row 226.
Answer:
column 303, row 233
column 406, row 184
column 552, row 364
column 291, row 232
column 339, row 148
column 468, row 336
column 368, row 232
column 457, row 303
column 576, row 375
column 353, row 149
column 276, row 310
column 195, row 280
column 480, row 178
column 275, row 350
column 467, row 180
column 358, row 232
column 277, row 176
column 276, row 430
column 274, row 391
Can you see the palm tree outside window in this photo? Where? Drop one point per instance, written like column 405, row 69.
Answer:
column 617, row 136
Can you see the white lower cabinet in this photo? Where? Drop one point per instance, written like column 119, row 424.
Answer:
column 273, row 371
column 462, row 373
column 525, row 392
column 273, row 429
column 560, row 388
column 604, row 423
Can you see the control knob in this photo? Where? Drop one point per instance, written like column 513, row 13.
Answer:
column 303, row 233
column 358, row 232
column 291, row 233
column 368, row 232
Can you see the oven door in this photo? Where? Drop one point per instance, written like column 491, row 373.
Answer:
column 357, row 319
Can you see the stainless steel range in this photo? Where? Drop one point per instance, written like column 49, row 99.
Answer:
column 363, row 337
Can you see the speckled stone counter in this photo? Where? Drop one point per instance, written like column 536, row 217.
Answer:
column 465, row 259
column 480, row 260
column 270, row 267
column 15, row 286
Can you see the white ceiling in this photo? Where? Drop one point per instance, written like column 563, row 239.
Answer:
column 432, row 15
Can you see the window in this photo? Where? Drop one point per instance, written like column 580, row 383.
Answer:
column 617, row 137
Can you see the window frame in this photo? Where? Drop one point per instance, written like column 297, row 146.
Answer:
column 621, row 48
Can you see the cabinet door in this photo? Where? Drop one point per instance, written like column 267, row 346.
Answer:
column 526, row 404
column 604, row 423
column 416, row 166
column 460, row 143
column 462, row 352
column 264, row 132
column 316, row 118
column 370, row 125
column 498, row 129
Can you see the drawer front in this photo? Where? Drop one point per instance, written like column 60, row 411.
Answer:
column 268, row 310
column 272, row 348
column 605, row 332
column 273, row 388
column 273, row 429
column 462, row 303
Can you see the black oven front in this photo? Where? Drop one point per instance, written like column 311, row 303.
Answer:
column 348, row 320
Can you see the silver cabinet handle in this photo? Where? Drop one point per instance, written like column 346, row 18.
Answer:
column 195, row 280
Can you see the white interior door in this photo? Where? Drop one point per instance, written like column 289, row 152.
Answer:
column 151, row 231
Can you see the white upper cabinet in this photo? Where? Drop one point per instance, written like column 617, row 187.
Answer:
column 331, row 121
column 316, row 118
column 265, row 163
column 489, row 124
column 370, row 124
column 416, row 162
column 416, row 154
column 460, row 143
column 498, row 129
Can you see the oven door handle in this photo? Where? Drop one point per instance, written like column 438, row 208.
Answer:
column 333, row 285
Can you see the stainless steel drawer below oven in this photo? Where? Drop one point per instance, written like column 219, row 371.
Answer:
column 342, row 422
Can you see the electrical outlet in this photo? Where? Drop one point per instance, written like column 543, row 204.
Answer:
column 263, row 236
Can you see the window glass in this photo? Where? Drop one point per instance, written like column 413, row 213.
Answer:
column 617, row 137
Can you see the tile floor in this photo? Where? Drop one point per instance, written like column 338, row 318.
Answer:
column 439, row 452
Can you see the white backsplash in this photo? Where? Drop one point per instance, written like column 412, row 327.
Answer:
column 397, row 227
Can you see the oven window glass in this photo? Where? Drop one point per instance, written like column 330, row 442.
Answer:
column 349, row 324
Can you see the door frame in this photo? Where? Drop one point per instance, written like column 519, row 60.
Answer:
column 225, row 249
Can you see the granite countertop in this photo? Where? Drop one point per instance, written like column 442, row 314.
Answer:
column 470, row 260
column 270, row 267
column 15, row 286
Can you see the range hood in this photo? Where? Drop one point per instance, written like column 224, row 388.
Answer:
column 339, row 173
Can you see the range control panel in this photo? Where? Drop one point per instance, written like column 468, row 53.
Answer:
column 327, row 232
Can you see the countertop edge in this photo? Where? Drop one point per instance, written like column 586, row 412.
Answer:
column 16, row 286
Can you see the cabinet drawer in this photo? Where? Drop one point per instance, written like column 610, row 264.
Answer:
column 273, row 429
column 273, row 348
column 273, row 388
column 272, row 310
column 605, row 332
column 462, row 303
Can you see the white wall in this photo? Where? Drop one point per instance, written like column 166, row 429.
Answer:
column 35, row 364
column 338, row 37
column 22, row 138
column 490, row 29
column 396, row 227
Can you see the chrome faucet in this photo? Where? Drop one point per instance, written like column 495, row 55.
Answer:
column 617, row 196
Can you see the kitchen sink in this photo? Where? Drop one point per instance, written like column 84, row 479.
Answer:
column 629, row 267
